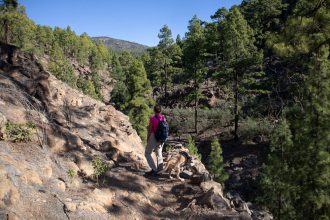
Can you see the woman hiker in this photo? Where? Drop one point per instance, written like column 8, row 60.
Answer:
column 157, row 135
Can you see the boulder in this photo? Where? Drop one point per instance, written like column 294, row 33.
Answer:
column 86, row 167
column 212, row 200
column 47, row 171
column 58, row 185
column 186, row 174
column 71, row 206
column 104, row 197
column 261, row 215
column 31, row 176
column 3, row 121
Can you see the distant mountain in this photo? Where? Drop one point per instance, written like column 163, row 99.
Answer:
column 122, row 45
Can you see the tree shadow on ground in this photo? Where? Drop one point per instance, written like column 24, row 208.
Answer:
column 124, row 182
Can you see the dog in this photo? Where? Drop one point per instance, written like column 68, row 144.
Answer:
column 175, row 162
column 177, row 148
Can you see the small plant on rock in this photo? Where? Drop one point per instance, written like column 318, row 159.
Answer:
column 100, row 167
column 71, row 174
column 192, row 148
column 19, row 132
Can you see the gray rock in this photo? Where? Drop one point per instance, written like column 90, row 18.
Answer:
column 250, row 161
column 186, row 174
column 238, row 168
column 261, row 215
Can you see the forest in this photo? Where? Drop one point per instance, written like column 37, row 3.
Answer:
column 259, row 70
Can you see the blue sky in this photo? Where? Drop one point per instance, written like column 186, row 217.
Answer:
column 134, row 20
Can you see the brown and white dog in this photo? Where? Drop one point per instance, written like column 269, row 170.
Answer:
column 175, row 162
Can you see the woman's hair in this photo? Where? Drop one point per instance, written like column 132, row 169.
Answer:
column 157, row 109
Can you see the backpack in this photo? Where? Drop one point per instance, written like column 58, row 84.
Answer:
column 162, row 131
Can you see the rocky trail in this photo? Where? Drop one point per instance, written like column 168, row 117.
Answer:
column 53, row 137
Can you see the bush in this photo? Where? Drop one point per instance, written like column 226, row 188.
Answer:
column 88, row 88
column 251, row 127
column 63, row 71
column 19, row 132
column 182, row 120
column 100, row 167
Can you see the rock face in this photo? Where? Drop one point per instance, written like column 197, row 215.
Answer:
column 52, row 175
column 106, row 83
column 71, row 130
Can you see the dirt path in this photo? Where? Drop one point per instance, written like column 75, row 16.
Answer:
column 144, row 198
column 138, row 197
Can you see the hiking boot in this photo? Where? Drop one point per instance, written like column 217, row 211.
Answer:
column 151, row 173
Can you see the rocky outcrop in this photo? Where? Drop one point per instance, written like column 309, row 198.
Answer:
column 71, row 129
column 200, row 192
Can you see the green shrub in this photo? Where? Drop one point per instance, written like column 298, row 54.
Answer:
column 182, row 120
column 19, row 132
column 100, row 167
column 63, row 71
column 88, row 88
column 251, row 127
column 192, row 148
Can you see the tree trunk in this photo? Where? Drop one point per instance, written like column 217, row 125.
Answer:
column 279, row 206
column 196, row 115
column 236, row 106
column 165, row 85
column 196, row 104
column 6, row 31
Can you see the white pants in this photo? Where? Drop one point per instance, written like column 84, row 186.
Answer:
column 151, row 146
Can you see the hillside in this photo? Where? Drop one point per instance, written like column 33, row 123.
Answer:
column 245, row 95
column 122, row 45
column 77, row 158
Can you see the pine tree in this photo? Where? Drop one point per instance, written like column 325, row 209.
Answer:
column 16, row 28
column 119, row 94
column 165, row 37
column 191, row 146
column 312, row 141
column 275, row 185
column 216, row 162
column 7, row 6
column 139, row 104
column 164, row 61
column 194, row 60
column 45, row 39
column 168, row 55
column 132, row 93
column 178, row 40
column 305, row 41
column 264, row 16
column 241, row 62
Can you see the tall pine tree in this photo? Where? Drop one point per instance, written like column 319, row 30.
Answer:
column 305, row 41
column 241, row 62
column 194, row 61
column 138, row 107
